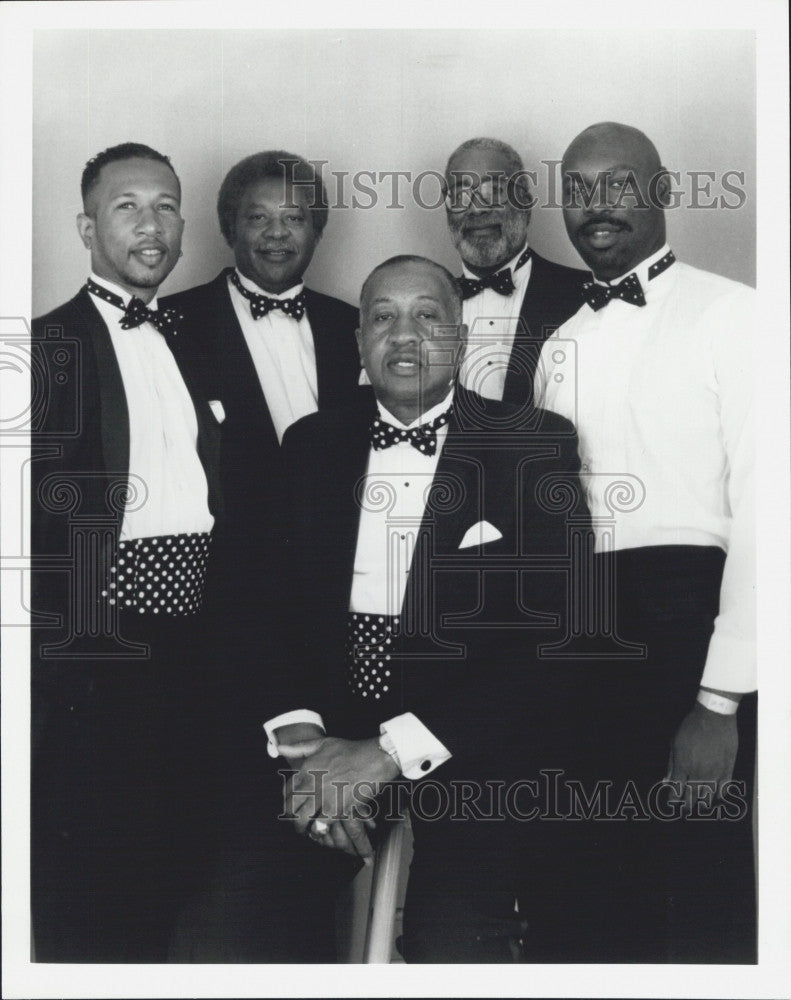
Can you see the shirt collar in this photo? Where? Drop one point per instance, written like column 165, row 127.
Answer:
column 257, row 290
column 641, row 270
column 424, row 418
column 118, row 290
column 510, row 263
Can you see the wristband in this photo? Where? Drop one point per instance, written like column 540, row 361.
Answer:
column 387, row 744
column 717, row 703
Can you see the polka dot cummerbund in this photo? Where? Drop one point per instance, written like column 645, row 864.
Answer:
column 164, row 575
column 371, row 673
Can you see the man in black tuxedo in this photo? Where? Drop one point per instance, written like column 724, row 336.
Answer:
column 124, row 497
column 429, row 566
column 270, row 351
column 513, row 297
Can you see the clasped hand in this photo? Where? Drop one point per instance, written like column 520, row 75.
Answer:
column 336, row 780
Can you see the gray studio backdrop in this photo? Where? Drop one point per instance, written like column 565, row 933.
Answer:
column 384, row 101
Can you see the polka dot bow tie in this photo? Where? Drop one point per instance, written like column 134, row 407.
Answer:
column 630, row 289
column 261, row 305
column 137, row 312
column 501, row 282
column 422, row 438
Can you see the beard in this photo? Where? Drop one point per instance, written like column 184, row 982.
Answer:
column 488, row 251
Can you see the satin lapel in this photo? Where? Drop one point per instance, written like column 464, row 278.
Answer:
column 532, row 331
column 454, row 505
column 208, row 428
column 240, row 377
column 324, row 343
column 350, row 464
column 112, row 398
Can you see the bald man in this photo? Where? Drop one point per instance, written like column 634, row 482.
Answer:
column 656, row 372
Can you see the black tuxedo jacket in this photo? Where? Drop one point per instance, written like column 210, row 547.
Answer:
column 554, row 294
column 250, row 453
column 477, row 615
column 80, row 437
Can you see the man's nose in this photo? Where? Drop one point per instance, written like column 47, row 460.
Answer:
column 276, row 228
column 404, row 329
column 149, row 221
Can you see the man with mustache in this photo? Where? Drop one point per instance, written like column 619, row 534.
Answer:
column 124, row 498
column 513, row 297
column 656, row 370
column 419, row 586
column 270, row 351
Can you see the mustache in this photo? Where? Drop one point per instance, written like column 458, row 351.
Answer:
column 593, row 224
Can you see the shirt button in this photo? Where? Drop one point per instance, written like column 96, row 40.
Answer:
column 425, row 765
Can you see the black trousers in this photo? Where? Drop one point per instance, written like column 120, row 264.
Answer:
column 647, row 884
column 123, row 794
column 273, row 893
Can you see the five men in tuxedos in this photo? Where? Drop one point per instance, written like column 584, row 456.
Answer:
column 514, row 298
column 124, row 499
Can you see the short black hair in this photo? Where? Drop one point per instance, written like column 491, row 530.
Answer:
column 124, row 151
column 410, row 258
column 258, row 167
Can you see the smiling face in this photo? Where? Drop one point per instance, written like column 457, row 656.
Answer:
column 274, row 239
column 614, row 188
column 410, row 336
column 132, row 224
column 492, row 230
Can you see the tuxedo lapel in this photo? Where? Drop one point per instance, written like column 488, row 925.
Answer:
column 208, row 444
column 112, row 398
column 537, row 320
column 240, row 378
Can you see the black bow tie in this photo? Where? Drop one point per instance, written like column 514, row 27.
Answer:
column 630, row 289
column 500, row 282
column 137, row 312
column 422, row 438
column 260, row 305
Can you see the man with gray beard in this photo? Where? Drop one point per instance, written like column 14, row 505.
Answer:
column 513, row 298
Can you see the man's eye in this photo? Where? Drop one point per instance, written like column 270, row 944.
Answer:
column 295, row 218
column 127, row 204
column 167, row 207
column 427, row 314
column 381, row 317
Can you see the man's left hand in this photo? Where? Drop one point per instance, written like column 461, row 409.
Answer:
column 703, row 750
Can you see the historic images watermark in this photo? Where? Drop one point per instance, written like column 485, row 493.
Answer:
column 547, row 187
column 550, row 796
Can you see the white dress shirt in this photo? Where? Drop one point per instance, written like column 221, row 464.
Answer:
column 492, row 321
column 661, row 396
column 284, row 355
column 397, row 484
column 169, row 493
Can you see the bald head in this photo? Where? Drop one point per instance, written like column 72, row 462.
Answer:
column 615, row 190
column 634, row 145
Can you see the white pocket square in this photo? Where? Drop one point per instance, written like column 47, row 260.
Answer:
column 480, row 534
column 217, row 409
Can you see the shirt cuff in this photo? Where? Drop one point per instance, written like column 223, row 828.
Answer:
column 730, row 665
column 288, row 719
column 419, row 751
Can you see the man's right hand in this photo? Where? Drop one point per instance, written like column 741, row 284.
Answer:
column 347, row 835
